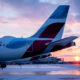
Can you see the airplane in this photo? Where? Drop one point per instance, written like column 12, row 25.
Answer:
column 47, row 39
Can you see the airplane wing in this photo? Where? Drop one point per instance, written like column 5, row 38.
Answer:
column 61, row 44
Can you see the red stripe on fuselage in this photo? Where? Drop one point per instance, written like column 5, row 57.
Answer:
column 36, row 48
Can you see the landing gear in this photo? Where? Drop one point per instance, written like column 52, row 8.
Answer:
column 3, row 66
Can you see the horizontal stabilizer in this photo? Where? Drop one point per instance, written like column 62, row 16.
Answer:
column 61, row 44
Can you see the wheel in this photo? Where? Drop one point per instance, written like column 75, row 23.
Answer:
column 3, row 65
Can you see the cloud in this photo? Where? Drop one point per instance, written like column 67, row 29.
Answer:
column 75, row 9
column 29, row 8
column 37, row 9
column 55, row 1
column 24, row 13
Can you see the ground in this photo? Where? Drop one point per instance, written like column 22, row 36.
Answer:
column 41, row 72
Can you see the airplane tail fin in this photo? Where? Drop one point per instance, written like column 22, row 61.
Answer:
column 54, row 26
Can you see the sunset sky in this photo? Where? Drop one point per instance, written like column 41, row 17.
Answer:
column 22, row 18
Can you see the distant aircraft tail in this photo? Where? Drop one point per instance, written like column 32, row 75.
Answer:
column 54, row 26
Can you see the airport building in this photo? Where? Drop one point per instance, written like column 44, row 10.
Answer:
column 48, row 60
